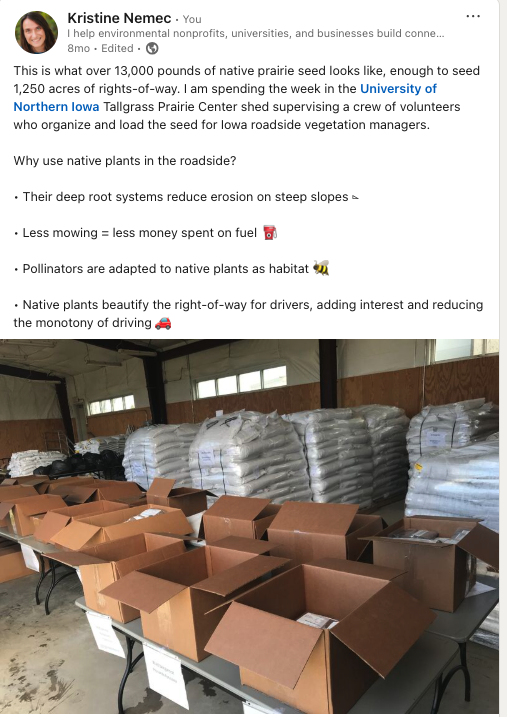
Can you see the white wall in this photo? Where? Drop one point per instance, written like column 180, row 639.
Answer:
column 20, row 399
column 358, row 357
column 25, row 400
column 109, row 382
column 300, row 356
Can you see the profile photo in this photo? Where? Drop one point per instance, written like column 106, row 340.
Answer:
column 36, row 32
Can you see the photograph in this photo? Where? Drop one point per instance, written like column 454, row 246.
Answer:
column 36, row 32
column 265, row 515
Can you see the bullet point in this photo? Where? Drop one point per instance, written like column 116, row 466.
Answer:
column 16, row 233
column 15, row 197
column 16, row 306
column 15, row 269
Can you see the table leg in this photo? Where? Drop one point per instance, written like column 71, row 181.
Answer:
column 466, row 673
column 54, row 581
column 436, row 696
column 129, row 667
column 441, row 684
column 42, row 575
column 52, row 567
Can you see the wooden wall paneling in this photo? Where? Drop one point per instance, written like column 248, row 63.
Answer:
column 288, row 399
column 392, row 388
column 111, row 424
column 26, row 435
column 461, row 380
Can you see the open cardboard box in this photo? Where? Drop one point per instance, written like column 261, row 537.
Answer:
column 177, row 597
column 14, row 491
column 24, row 512
column 131, row 501
column 44, row 484
column 103, row 564
column 95, row 490
column 188, row 500
column 39, row 483
column 306, row 532
column 12, row 563
column 95, row 529
column 244, row 517
column 439, row 575
column 320, row 671
column 55, row 520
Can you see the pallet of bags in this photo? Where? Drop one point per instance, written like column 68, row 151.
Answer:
column 339, row 455
column 25, row 462
column 247, row 453
column 439, row 428
column 102, row 443
column 460, row 482
column 159, row 451
column 387, row 429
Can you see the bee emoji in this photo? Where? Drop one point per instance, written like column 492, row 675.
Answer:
column 322, row 267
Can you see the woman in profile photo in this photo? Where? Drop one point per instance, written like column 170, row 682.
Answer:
column 34, row 34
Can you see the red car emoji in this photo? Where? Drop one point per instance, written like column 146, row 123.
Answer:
column 163, row 324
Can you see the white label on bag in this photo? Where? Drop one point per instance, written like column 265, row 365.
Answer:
column 30, row 558
column 105, row 637
column 437, row 439
column 251, row 709
column 206, row 457
column 165, row 675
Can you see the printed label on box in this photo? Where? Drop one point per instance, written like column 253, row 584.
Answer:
column 30, row 558
column 206, row 457
column 105, row 637
column 320, row 621
column 165, row 675
column 150, row 512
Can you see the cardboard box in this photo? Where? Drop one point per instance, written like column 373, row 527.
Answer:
column 55, row 520
column 92, row 530
column 177, row 597
column 316, row 670
column 12, row 564
column 14, row 491
column 437, row 574
column 39, row 483
column 43, row 484
column 95, row 490
column 244, row 517
column 188, row 500
column 130, row 501
column 102, row 565
column 306, row 532
column 23, row 512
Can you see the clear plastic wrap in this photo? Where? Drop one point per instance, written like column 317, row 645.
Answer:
column 460, row 482
column 439, row 428
column 339, row 455
column 387, row 429
column 159, row 451
column 250, row 454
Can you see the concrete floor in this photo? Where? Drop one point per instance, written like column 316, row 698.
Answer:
column 50, row 664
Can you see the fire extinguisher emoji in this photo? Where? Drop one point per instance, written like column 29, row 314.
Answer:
column 269, row 231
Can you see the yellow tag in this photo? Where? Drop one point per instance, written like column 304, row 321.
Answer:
column 418, row 467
